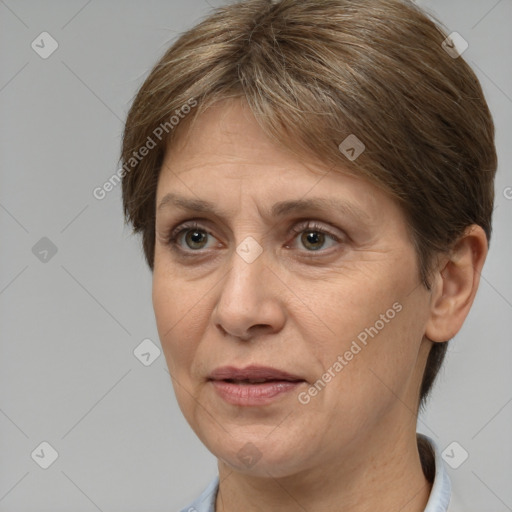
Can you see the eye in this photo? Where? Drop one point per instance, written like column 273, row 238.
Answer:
column 314, row 236
column 193, row 235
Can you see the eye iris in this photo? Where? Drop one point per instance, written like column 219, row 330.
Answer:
column 195, row 237
column 313, row 239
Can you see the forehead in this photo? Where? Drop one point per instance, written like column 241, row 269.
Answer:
column 228, row 130
column 225, row 157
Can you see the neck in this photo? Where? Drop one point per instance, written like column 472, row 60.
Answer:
column 373, row 475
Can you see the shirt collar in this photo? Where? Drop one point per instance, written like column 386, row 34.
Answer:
column 438, row 501
column 206, row 501
column 439, row 498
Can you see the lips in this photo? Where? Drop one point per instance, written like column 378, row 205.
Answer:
column 252, row 375
column 253, row 386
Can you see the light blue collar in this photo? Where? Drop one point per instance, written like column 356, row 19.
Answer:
column 205, row 502
column 440, row 494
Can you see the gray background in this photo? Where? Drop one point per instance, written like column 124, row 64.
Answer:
column 71, row 321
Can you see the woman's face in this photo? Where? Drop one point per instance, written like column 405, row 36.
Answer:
column 261, row 262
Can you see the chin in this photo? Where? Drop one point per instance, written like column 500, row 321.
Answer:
column 259, row 456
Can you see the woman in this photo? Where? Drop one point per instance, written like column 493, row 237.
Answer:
column 313, row 182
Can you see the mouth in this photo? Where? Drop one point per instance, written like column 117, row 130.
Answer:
column 253, row 385
column 256, row 381
column 253, row 375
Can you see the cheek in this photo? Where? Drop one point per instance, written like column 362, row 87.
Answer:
column 173, row 313
column 358, row 307
column 371, row 326
column 378, row 360
column 180, row 326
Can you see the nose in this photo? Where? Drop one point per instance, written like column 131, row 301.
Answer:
column 250, row 301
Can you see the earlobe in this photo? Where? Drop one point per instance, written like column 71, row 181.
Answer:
column 455, row 285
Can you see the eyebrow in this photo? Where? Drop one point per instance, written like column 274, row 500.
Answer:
column 279, row 209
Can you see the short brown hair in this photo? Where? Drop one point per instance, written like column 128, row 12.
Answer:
column 314, row 72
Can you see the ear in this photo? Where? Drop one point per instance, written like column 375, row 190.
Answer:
column 455, row 284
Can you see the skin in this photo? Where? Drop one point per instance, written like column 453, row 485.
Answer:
column 297, row 309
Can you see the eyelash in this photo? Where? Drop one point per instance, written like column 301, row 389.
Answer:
column 176, row 233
